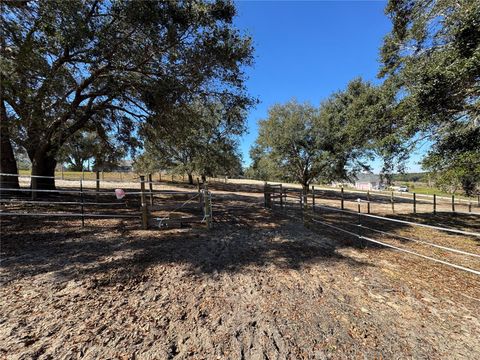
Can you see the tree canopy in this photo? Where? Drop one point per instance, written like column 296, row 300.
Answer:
column 115, row 64
column 207, row 148
column 303, row 143
column 431, row 61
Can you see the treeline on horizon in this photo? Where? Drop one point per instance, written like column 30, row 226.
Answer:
column 164, row 83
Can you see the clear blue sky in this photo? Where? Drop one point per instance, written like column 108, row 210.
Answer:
column 307, row 50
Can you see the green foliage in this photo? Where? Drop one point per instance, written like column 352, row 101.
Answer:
column 431, row 60
column 207, row 147
column 298, row 142
column 114, row 65
column 89, row 145
column 411, row 177
column 454, row 161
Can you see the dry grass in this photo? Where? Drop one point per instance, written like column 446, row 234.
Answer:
column 260, row 285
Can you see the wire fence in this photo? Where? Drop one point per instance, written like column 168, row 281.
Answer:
column 71, row 199
column 364, row 226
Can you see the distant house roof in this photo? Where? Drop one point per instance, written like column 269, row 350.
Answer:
column 367, row 178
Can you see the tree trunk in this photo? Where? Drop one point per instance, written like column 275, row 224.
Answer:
column 204, row 177
column 190, row 178
column 305, row 188
column 8, row 164
column 43, row 165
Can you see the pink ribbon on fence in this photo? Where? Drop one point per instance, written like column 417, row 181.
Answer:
column 119, row 193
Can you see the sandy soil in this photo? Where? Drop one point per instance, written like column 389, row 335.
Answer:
column 260, row 285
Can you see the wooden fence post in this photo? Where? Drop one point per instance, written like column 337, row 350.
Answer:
column 82, row 201
column 453, row 203
column 470, row 206
column 281, row 197
column 199, row 195
column 342, row 200
column 62, row 173
column 414, row 203
column 368, row 201
column 97, row 185
column 434, row 204
column 33, row 186
column 150, row 187
column 143, row 203
column 393, row 203
column 313, row 198
column 208, row 209
column 265, row 194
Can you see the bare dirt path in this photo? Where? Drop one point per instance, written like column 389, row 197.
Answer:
column 259, row 286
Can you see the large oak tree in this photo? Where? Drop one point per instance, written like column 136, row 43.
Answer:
column 114, row 64
column 431, row 61
column 302, row 143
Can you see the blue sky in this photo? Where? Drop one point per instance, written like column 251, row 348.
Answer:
column 309, row 49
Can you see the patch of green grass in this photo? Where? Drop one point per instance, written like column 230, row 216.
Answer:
column 424, row 189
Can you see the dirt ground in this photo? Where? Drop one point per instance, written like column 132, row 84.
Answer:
column 260, row 285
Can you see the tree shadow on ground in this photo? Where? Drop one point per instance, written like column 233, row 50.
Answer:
column 245, row 236
column 118, row 253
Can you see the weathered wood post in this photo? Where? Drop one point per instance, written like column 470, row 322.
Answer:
column 143, row 203
column 97, row 184
column 207, row 204
column 172, row 177
column 414, row 203
column 305, row 198
column 33, row 188
column 264, row 194
column 453, row 203
column 62, row 173
column 281, row 196
column 313, row 198
column 470, row 207
column 434, row 204
column 82, row 202
column 392, row 199
column 150, row 187
column 342, row 200
column 368, row 201
column 199, row 193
